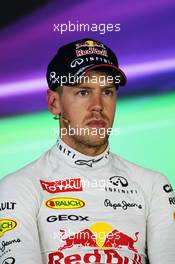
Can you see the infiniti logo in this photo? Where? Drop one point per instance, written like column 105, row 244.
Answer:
column 76, row 62
column 118, row 180
column 9, row 261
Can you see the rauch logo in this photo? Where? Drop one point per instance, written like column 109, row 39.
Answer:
column 65, row 203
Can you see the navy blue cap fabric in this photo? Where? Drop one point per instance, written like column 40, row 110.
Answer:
column 78, row 57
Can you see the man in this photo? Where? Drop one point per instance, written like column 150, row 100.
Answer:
column 80, row 203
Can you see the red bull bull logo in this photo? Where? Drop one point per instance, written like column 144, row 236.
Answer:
column 82, row 239
column 64, row 203
column 106, row 242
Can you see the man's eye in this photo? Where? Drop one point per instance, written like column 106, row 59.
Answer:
column 108, row 92
column 83, row 92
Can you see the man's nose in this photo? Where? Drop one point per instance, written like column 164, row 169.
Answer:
column 96, row 103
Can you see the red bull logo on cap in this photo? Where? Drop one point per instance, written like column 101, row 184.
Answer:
column 82, row 52
column 89, row 44
column 99, row 236
column 64, row 203
column 6, row 225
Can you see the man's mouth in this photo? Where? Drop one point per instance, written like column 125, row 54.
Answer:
column 96, row 123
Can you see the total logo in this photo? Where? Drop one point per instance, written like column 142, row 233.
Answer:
column 102, row 236
column 64, row 203
column 68, row 185
column 119, row 184
column 6, row 225
column 54, row 218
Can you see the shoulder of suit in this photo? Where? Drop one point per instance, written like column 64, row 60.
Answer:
column 136, row 172
column 30, row 172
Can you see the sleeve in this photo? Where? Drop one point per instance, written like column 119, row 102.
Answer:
column 161, row 223
column 19, row 205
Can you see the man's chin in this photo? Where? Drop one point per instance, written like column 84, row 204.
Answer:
column 93, row 140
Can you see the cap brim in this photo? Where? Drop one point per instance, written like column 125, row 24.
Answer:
column 119, row 72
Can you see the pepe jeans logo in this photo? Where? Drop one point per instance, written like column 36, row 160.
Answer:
column 64, row 203
column 124, row 205
column 5, row 244
column 6, row 225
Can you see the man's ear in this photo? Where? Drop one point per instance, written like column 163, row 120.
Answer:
column 53, row 102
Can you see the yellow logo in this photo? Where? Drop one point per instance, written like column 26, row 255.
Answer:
column 101, row 235
column 65, row 203
column 90, row 43
column 174, row 215
column 6, row 225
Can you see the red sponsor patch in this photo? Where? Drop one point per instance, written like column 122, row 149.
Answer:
column 68, row 185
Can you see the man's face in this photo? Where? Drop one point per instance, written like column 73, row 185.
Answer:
column 89, row 109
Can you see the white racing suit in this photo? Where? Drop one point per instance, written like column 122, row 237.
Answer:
column 70, row 208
